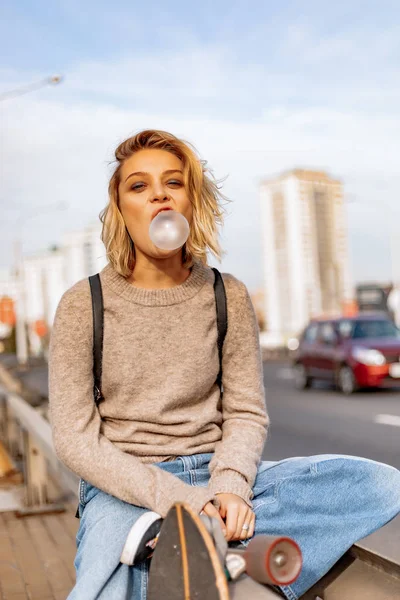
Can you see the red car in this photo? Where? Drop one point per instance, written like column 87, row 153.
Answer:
column 357, row 352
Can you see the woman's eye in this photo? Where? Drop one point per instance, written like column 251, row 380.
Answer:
column 138, row 186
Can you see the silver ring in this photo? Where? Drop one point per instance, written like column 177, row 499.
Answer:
column 246, row 527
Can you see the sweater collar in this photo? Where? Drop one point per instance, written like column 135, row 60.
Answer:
column 162, row 297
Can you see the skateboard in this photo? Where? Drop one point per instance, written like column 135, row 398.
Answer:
column 186, row 565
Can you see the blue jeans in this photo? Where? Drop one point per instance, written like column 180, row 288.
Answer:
column 326, row 503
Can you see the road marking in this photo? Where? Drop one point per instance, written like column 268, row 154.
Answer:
column 388, row 420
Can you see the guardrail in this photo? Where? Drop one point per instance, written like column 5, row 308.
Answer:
column 369, row 570
column 26, row 434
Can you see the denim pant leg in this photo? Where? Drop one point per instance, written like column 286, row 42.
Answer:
column 325, row 503
column 104, row 526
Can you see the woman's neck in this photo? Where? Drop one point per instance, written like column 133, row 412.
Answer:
column 159, row 274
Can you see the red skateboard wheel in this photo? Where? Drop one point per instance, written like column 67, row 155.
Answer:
column 273, row 559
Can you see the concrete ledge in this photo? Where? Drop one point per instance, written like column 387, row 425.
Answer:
column 382, row 548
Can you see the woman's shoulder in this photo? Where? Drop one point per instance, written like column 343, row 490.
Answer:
column 233, row 285
column 237, row 295
column 239, row 303
column 76, row 300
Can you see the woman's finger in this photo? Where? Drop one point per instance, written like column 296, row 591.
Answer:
column 241, row 521
column 231, row 521
column 244, row 523
column 250, row 521
column 222, row 511
column 212, row 512
column 252, row 526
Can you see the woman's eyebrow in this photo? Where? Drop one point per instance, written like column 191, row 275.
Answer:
column 143, row 173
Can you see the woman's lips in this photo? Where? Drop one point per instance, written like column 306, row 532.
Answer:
column 156, row 212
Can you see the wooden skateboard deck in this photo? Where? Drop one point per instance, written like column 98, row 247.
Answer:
column 185, row 564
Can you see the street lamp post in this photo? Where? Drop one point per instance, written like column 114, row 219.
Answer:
column 20, row 322
column 20, row 326
column 25, row 89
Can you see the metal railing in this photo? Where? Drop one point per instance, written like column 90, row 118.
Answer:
column 27, row 436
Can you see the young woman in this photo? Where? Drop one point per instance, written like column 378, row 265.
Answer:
column 163, row 432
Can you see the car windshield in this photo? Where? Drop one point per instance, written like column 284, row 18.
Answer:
column 375, row 329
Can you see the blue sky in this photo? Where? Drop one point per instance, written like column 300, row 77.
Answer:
column 257, row 87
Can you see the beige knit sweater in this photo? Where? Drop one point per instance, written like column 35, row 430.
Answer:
column 160, row 364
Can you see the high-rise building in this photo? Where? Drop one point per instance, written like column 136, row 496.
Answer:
column 306, row 265
column 45, row 276
column 8, row 283
column 84, row 253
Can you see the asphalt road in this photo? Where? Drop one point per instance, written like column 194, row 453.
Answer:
column 315, row 421
column 323, row 421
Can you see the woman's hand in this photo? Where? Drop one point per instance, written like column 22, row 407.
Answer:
column 236, row 513
column 211, row 511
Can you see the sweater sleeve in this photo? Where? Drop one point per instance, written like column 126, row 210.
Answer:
column 234, row 465
column 76, row 422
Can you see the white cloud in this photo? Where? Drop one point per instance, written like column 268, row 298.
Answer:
column 56, row 151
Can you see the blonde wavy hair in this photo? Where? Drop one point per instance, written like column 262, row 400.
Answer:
column 203, row 191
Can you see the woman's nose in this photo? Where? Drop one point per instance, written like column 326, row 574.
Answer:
column 159, row 193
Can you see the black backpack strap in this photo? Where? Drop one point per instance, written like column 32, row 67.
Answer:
column 222, row 317
column 98, row 333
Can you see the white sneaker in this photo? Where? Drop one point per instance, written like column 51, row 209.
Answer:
column 142, row 538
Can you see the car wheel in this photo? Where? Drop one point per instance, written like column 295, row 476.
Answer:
column 301, row 378
column 346, row 381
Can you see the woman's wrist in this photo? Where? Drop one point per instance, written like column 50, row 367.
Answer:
column 231, row 482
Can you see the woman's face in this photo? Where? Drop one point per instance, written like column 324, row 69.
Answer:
column 150, row 180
